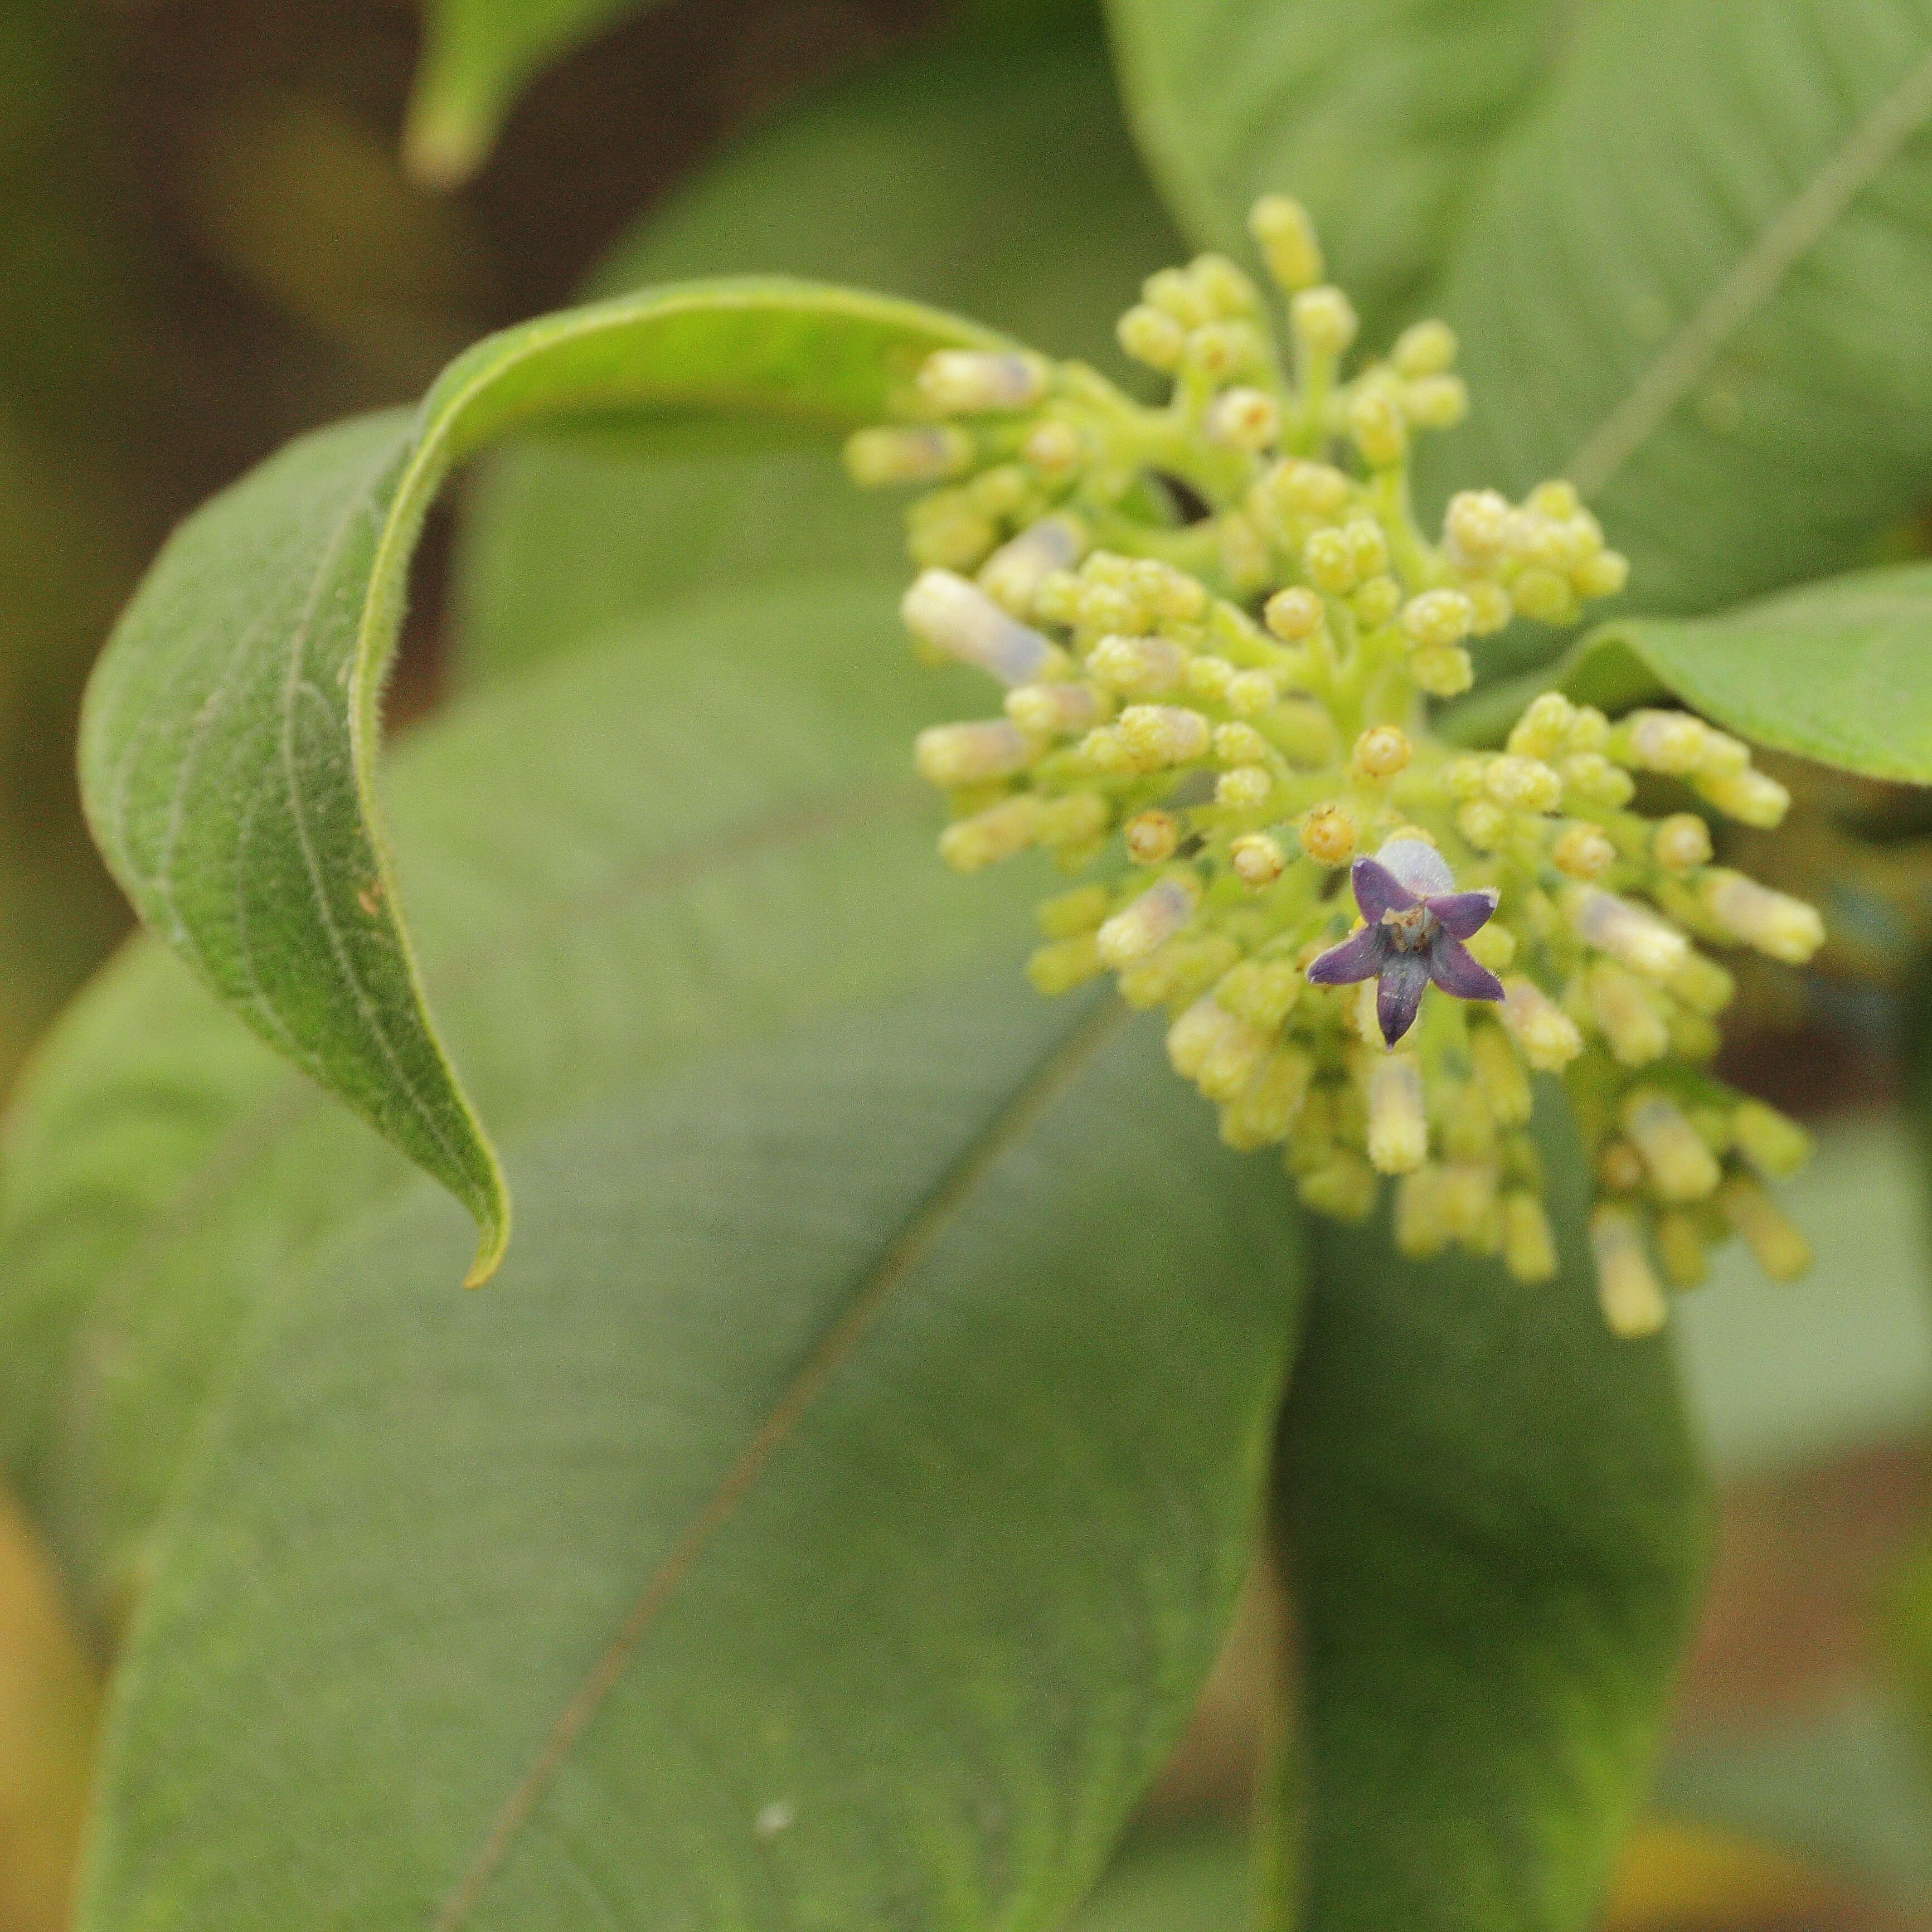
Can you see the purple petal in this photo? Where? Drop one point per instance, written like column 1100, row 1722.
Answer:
column 1399, row 997
column 1377, row 890
column 1461, row 914
column 1358, row 957
column 1453, row 969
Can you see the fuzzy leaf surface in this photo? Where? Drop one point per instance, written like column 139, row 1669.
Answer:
column 840, row 1540
column 1498, row 1525
column 230, row 734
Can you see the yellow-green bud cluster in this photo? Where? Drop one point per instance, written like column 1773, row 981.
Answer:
column 1220, row 709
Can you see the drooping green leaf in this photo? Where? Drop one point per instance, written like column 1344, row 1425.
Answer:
column 1378, row 114
column 813, row 1536
column 1497, row 1525
column 1837, row 671
column 990, row 175
column 696, row 832
column 228, row 748
column 477, row 55
column 1695, row 284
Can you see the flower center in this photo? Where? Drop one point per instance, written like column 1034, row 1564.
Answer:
column 1411, row 931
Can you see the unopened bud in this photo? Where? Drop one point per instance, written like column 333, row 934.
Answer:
column 1777, row 1247
column 1323, row 320
column 1239, row 744
column 1582, row 852
column 1702, row 984
column 1483, row 824
column 1751, row 797
column 1438, row 617
column 1153, row 336
column 1420, row 1229
column 1682, row 842
column 1591, row 777
column 1424, row 349
column 949, row 756
column 970, row 845
column 1011, row 576
column 957, row 618
column 1148, row 921
column 1626, row 1016
column 1627, row 1289
column 1544, row 729
column 1376, row 424
column 1776, row 1147
column 1343, row 1188
column 1258, row 860
column 1382, row 750
column 1151, row 837
column 1493, row 945
column 1147, row 666
column 1529, row 1244
column 1080, row 910
column 1543, row 596
column 1286, row 238
column 1262, row 991
column 1264, row 1111
column 1638, row 939
column 1491, row 603
column 1603, row 574
column 1398, row 1127
column 1246, row 788
column 1523, row 784
column 1158, row 736
column 1620, row 1167
column 1682, row 1167
column 1376, row 602
column 1053, row 710
column 1066, row 963
column 1442, row 671
column 1777, row 925
column 1251, row 692
column 1435, row 402
column 1243, row 418
column 1546, row 1033
column 1193, row 1036
column 1671, row 742
column 969, row 382
column 1500, row 1077
column 919, row 453
column 1679, row 1237
column 1328, row 834
column 1294, row 614
column 1313, row 489
column 1476, row 525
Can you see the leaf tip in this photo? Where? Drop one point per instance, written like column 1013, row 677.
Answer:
column 493, row 1237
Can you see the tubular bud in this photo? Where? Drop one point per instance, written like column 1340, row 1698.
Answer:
column 1633, row 1302
column 1635, row 938
column 953, row 615
column 1195, row 1033
column 1398, row 1126
column 1343, row 1188
column 1286, row 238
column 1158, row 736
column 1011, row 576
column 1151, row 837
column 1147, row 667
column 1265, row 1109
column 1547, row 1034
column 1529, row 1246
column 1776, row 1245
column 1323, row 320
column 1500, row 1077
column 1149, row 921
column 1777, row 1147
column 916, row 453
column 970, row 845
column 1053, row 710
column 1064, row 964
column 1582, row 852
column 1682, row 842
column 1777, row 925
column 1257, row 858
column 1682, row 1167
column 1081, row 910
column 1621, row 1007
column 972, row 381
column 1751, row 797
column 1670, row 742
column 950, row 756
column 1679, row 1236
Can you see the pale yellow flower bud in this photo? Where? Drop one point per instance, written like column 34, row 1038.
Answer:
column 1330, row 558
column 1257, row 858
column 1376, row 424
column 1438, row 617
column 1323, row 320
column 1344, row 1188
column 1626, row 1016
column 1523, row 784
column 1500, row 1078
column 1529, row 1244
column 1424, row 349
column 1544, row 596
column 1104, row 752
column 1435, row 402
column 1682, row 1167
column 1494, row 945
column 1286, row 238
column 969, row 382
column 970, row 845
column 1328, row 834
column 1483, row 824
column 1751, row 797
column 1375, row 602
column 1443, row 671
column 946, row 533
column 1293, row 614
column 1603, row 574
column 1151, row 837
column 1702, row 984
column 957, row 618
column 1775, row 1146
column 1053, row 710
column 1246, row 788
column 1064, row 964
column 949, row 756
column 1491, row 604
column 921, row 453
column 1777, row 1247
column 1251, row 692
column 1262, row 991
column 1627, row 1289
column 1313, row 489
column 1265, row 1111
column 1421, row 1228
column 1398, row 1126
column 1682, row 842
column 1193, row 1035
column 1679, row 1238
column 1640, row 939
column 1151, row 336
column 1148, row 921
column 1179, row 970
column 1582, row 852
column 1544, row 729
column 1463, row 777
column 1147, row 667
column 1546, row 1033
column 1080, row 910
column 1240, row 744
column 1724, row 756
column 1243, row 418
column 1074, row 822
column 1672, row 742
column 1055, row 449
column 1161, row 735
column 1233, row 1058
column 1593, row 779
column 1476, row 525
column 1208, row 678
column 1382, row 750
column 1011, row 576
column 1218, row 348
column 1782, row 927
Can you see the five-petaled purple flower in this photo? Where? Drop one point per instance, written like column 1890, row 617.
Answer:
column 1416, row 925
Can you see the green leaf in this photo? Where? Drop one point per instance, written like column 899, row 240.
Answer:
column 1498, row 1527
column 1695, row 284
column 692, row 836
column 229, row 743
column 1836, row 671
column 990, row 175
column 830, row 1524
column 477, row 56
column 1378, row 114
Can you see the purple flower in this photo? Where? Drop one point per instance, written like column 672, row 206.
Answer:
column 1416, row 925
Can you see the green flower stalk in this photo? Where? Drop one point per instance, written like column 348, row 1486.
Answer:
column 1219, row 624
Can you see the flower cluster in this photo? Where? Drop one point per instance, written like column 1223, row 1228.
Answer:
column 1218, row 624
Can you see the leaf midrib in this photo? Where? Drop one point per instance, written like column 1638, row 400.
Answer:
column 1010, row 1120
